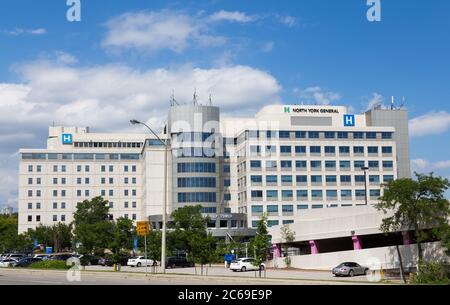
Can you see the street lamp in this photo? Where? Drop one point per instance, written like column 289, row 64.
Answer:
column 365, row 169
column 164, row 216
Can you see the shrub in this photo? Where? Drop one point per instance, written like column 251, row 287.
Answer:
column 49, row 264
column 431, row 273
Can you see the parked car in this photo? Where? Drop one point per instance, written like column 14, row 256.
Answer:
column 60, row 257
column 8, row 262
column 349, row 269
column 140, row 261
column 178, row 261
column 89, row 260
column 41, row 256
column 26, row 261
column 15, row 256
column 245, row 264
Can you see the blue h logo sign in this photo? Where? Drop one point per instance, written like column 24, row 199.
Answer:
column 349, row 120
column 67, row 138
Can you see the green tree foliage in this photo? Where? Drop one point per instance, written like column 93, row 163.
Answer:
column 261, row 242
column 93, row 229
column 415, row 205
column 10, row 240
column 431, row 273
column 288, row 237
column 58, row 236
column 154, row 245
column 121, row 241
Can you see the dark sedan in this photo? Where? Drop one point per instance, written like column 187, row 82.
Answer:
column 175, row 261
column 349, row 269
column 26, row 261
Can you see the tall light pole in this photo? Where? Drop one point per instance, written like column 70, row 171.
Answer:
column 365, row 169
column 164, row 213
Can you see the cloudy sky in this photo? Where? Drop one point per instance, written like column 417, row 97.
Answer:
column 125, row 58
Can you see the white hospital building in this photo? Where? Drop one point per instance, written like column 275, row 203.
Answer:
column 284, row 161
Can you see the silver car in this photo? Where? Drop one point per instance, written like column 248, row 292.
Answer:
column 349, row 269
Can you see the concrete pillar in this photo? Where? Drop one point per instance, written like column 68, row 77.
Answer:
column 314, row 247
column 407, row 240
column 276, row 250
column 357, row 245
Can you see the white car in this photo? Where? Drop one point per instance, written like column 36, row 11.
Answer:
column 139, row 261
column 245, row 264
column 8, row 262
column 42, row 256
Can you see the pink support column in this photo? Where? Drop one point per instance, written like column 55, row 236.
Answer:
column 276, row 250
column 314, row 247
column 407, row 240
column 357, row 245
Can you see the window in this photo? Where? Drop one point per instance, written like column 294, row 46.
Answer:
column 271, row 179
column 313, row 134
column 30, row 168
column 63, row 180
column 387, row 150
column 331, row 194
column 256, row 194
column 63, row 168
column 286, row 164
column 286, row 179
column 360, row 193
column 133, row 168
column 330, row 149
column 288, row 208
column 63, row 205
column 317, row 194
column 300, row 164
column 374, row 179
column 287, row 194
column 272, row 195
column 301, row 179
column 344, row 150
column 226, row 182
column 330, row 164
column 371, row 135
column 55, row 217
column 38, row 218
column 302, row 206
column 38, row 206
column 342, row 135
column 39, row 168
column 316, row 164
column 344, row 165
column 78, row 180
column 257, row 209
column 284, row 134
column 103, row 168
column 272, row 223
column 358, row 135
column 226, row 168
column 386, row 135
column 300, row 134
column 372, row 149
column 359, row 165
column 317, row 206
column 255, row 164
column 271, row 149
column 331, row 179
column 285, row 149
column 271, row 164
column 346, row 179
column 346, row 194
column 330, row 135
column 111, row 192
column 302, row 194
column 300, row 149
column 38, row 180
column 316, row 179
column 30, row 180
column 87, row 168
column 78, row 168
column 197, row 182
column 272, row 209
column 374, row 164
column 227, row 197
column 111, row 168
column 30, row 193
column 388, row 164
column 55, row 205
column 30, row 205
column 375, row 193
column 387, row 178
column 55, row 168
column 360, row 178
column 63, row 218
column 125, row 168
column 255, row 150
column 30, row 218
column 315, row 149
column 207, row 197
column 256, row 179
column 196, row 167
column 358, row 150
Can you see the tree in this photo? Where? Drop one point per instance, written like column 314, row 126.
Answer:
column 202, row 249
column 58, row 236
column 260, row 243
column 121, row 239
column 415, row 205
column 93, row 229
column 10, row 240
column 154, row 245
column 288, row 236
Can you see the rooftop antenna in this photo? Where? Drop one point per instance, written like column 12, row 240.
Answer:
column 173, row 101
column 210, row 100
column 195, row 100
column 392, row 103
column 403, row 102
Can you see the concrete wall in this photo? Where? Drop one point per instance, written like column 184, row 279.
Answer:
column 373, row 258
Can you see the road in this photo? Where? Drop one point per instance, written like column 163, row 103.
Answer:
column 51, row 277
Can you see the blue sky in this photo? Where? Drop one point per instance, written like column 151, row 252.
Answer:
column 126, row 56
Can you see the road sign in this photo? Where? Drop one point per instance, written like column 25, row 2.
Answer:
column 142, row 228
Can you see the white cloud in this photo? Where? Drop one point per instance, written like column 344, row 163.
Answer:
column 422, row 164
column 107, row 97
column 430, row 124
column 20, row 31
column 288, row 20
column 153, row 31
column 317, row 95
column 232, row 17
column 377, row 99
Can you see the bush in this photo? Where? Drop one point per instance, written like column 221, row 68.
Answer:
column 431, row 273
column 49, row 264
